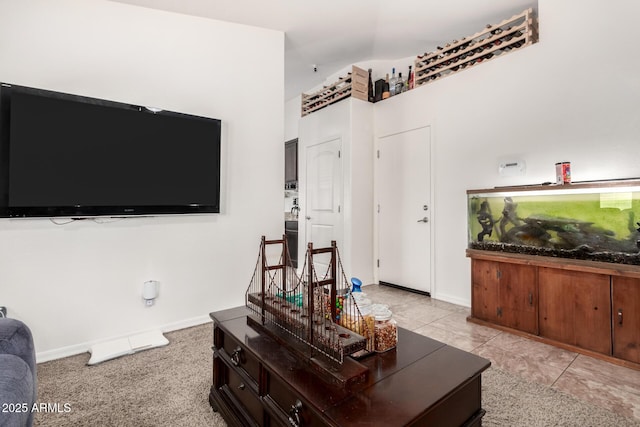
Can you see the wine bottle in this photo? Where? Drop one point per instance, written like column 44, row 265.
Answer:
column 385, row 88
column 370, row 96
column 411, row 80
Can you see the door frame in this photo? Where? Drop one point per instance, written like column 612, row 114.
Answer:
column 432, row 216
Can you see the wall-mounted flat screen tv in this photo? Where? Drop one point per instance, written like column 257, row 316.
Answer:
column 75, row 156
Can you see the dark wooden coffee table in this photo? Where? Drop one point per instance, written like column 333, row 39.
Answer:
column 257, row 381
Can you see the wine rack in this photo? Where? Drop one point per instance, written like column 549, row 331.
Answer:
column 354, row 83
column 494, row 41
column 327, row 95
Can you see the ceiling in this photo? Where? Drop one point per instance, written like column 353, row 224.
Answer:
column 334, row 34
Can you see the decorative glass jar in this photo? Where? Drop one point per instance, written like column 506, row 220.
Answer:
column 386, row 329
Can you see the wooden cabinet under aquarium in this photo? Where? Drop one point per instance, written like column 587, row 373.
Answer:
column 504, row 293
column 560, row 264
column 575, row 308
column 625, row 296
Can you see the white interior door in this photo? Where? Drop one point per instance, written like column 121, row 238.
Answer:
column 404, row 220
column 323, row 216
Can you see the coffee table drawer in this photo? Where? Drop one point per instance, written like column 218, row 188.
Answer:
column 241, row 359
column 289, row 407
column 243, row 393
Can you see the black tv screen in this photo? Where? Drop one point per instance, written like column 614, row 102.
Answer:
column 70, row 156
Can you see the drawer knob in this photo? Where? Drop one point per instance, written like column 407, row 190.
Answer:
column 241, row 386
column 235, row 356
column 294, row 413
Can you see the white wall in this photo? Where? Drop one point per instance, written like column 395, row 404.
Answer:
column 81, row 283
column 359, row 192
column 350, row 122
column 571, row 97
column 292, row 110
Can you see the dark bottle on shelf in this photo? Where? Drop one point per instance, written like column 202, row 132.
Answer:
column 370, row 96
column 385, row 88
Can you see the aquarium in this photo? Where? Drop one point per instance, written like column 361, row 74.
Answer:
column 591, row 221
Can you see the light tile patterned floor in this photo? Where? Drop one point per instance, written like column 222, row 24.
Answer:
column 591, row 380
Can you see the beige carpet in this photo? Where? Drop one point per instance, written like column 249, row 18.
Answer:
column 166, row 386
column 169, row 386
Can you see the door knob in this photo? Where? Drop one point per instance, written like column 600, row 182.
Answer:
column 425, row 219
column 307, row 217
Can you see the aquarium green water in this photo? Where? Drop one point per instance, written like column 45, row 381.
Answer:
column 587, row 223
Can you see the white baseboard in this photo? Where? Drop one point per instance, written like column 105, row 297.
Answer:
column 452, row 299
column 72, row 350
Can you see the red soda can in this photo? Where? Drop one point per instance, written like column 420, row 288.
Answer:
column 563, row 173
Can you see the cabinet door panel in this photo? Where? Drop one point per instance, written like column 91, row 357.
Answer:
column 518, row 297
column 485, row 294
column 291, row 161
column 574, row 308
column 626, row 318
column 505, row 294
